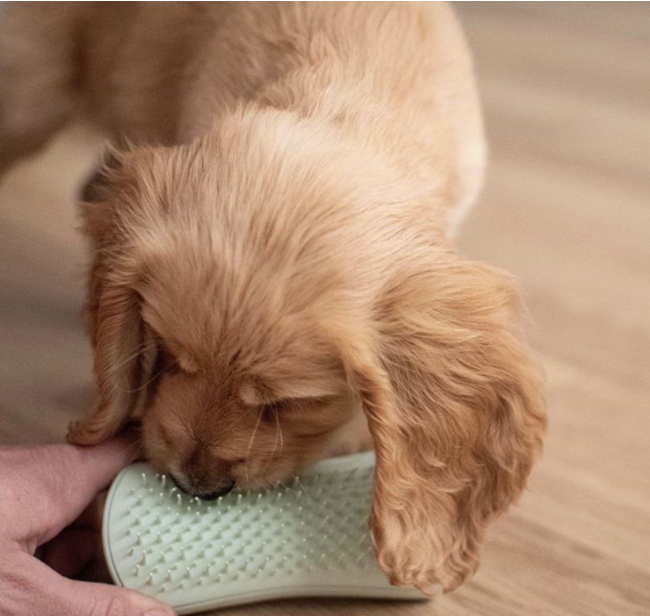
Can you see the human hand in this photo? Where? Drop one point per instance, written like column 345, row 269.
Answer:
column 43, row 490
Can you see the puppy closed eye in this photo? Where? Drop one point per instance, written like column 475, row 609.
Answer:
column 272, row 411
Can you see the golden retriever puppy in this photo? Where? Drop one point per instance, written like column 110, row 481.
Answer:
column 274, row 278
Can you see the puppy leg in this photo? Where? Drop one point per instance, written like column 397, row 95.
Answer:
column 37, row 76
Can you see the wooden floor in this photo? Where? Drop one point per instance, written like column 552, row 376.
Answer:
column 566, row 208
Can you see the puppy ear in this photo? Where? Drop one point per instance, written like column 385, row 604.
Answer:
column 455, row 410
column 125, row 349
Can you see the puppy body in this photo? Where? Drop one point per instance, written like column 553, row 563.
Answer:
column 273, row 269
column 393, row 77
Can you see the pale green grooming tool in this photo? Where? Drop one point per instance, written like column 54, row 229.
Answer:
column 307, row 537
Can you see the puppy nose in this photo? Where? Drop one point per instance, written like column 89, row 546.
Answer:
column 220, row 492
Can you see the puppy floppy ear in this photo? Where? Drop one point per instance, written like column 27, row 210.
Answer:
column 455, row 410
column 125, row 349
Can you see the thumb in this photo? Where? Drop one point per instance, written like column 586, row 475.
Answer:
column 86, row 598
column 37, row 590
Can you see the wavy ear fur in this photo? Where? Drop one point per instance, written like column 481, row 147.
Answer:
column 124, row 347
column 455, row 409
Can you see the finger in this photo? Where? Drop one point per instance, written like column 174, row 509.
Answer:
column 55, row 483
column 30, row 587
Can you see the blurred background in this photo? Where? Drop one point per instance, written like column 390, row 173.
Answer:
column 566, row 208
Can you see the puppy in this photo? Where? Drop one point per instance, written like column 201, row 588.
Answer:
column 274, row 277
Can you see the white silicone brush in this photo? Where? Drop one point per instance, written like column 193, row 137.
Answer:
column 306, row 537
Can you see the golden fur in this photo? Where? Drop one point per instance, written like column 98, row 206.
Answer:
column 273, row 275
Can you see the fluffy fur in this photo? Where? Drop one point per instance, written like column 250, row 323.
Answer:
column 273, row 276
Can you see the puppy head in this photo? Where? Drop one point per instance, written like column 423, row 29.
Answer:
column 245, row 336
